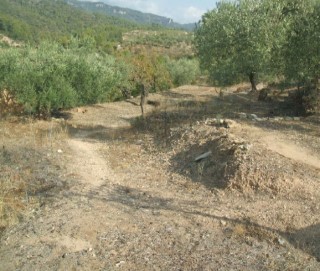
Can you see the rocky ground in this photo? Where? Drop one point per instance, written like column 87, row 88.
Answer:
column 204, row 181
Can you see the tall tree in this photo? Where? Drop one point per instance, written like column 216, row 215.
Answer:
column 301, row 50
column 236, row 40
column 302, row 54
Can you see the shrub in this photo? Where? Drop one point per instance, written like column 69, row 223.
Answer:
column 51, row 77
column 183, row 71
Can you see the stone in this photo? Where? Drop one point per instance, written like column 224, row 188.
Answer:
column 242, row 115
column 253, row 116
column 281, row 241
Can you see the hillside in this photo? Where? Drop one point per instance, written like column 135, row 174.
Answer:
column 129, row 14
column 32, row 21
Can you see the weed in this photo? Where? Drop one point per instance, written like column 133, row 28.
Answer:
column 25, row 168
column 200, row 167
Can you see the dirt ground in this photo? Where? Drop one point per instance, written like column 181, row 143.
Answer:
column 125, row 192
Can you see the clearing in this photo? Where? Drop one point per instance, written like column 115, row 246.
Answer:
column 109, row 190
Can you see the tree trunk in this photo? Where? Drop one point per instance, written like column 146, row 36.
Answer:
column 252, row 78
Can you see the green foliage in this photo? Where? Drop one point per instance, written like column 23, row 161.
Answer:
column 66, row 62
column 33, row 21
column 183, row 71
column 270, row 38
column 159, row 38
column 51, row 77
column 235, row 40
column 141, row 18
column 147, row 68
column 301, row 54
column 301, row 51
column 161, row 77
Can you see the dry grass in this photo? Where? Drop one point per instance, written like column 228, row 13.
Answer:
column 26, row 166
column 151, row 157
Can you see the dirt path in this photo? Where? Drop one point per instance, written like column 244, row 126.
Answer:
column 279, row 142
column 127, row 209
column 91, row 168
column 291, row 151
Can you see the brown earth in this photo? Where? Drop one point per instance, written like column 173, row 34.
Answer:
column 8, row 41
column 126, row 193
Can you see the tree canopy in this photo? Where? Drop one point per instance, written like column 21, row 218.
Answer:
column 243, row 38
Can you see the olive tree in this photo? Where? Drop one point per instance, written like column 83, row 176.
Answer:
column 302, row 55
column 301, row 51
column 236, row 40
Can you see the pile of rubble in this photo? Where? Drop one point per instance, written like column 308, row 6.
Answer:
column 210, row 153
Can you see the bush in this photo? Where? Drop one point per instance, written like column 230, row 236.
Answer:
column 183, row 71
column 51, row 77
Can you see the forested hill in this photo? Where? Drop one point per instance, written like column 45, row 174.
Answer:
column 35, row 20
column 129, row 14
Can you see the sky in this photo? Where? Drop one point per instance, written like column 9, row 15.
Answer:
column 181, row 11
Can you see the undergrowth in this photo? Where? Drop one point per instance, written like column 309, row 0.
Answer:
column 52, row 77
column 27, row 169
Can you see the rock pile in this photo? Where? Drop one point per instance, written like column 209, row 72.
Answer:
column 211, row 154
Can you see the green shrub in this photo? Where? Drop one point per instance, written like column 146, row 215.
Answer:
column 51, row 77
column 183, row 71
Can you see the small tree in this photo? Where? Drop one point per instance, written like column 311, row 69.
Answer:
column 148, row 68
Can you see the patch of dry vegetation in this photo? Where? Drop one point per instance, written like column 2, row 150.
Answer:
column 244, row 206
column 246, row 156
column 28, row 171
column 172, row 43
column 6, row 41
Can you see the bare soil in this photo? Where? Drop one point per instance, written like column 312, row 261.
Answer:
column 126, row 192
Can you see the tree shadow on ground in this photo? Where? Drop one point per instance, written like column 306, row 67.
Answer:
column 249, row 104
column 306, row 239
column 61, row 115
column 300, row 126
column 129, row 200
column 176, row 95
column 213, row 172
column 189, row 111
column 99, row 133
column 185, row 109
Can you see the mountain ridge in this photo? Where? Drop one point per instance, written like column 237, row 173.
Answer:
column 129, row 14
